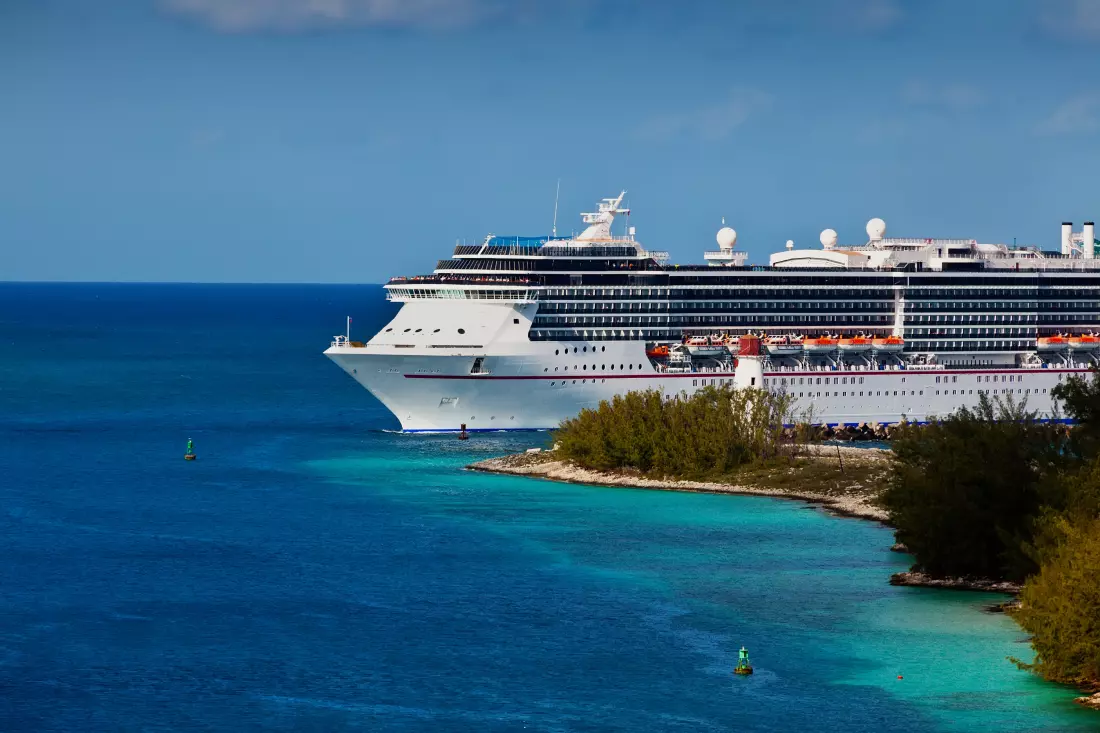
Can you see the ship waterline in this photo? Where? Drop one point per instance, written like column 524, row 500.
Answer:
column 522, row 333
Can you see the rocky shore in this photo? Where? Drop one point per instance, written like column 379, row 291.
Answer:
column 1089, row 701
column 920, row 580
column 854, row 498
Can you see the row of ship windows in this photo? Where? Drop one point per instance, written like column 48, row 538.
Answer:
column 887, row 293
column 967, row 324
column 913, row 344
column 920, row 393
column 951, row 310
column 954, row 378
column 603, row 367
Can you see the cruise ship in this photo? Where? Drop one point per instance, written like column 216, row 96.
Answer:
column 520, row 333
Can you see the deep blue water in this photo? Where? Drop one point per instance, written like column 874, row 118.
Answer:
column 312, row 571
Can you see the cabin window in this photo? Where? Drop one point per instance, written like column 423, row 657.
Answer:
column 556, row 352
column 515, row 320
column 462, row 330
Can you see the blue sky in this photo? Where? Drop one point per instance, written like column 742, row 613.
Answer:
column 351, row 140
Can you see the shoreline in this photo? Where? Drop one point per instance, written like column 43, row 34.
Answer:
column 857, row 504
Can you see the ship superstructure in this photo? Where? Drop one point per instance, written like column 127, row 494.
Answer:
column 522, row 332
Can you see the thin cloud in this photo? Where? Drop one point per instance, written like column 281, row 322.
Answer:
column 874, row 15
column 951, row 96
column 1078, row 115
column 1071, row 19
column 710, row 122
column 289, row 16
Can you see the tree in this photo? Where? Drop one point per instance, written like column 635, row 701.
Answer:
column 1060, row 606
column 966, row 491
column 1081, row 400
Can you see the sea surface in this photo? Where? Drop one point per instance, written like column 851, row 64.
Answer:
column 314, row 570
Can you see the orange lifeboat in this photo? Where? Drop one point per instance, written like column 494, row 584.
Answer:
column 783, row 345
column 1051, row 343
column 888, row 344
column 706, row 345
column 659, row 351
column 854, row 344
column 819, row 345
column 1084, row 342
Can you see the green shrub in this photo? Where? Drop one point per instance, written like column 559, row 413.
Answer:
column 713, row 432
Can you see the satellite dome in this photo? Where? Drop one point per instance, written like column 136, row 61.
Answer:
column 790, row 244
column 726, row 238
column 828, row 238
column 876, row 228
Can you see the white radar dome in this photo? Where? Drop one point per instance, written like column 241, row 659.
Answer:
column 876, row 228
column 790, row 244
column 727, row 237
column 828, row 238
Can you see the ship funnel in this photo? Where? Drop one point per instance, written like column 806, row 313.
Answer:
column 1067, row 238
column 1088, row 239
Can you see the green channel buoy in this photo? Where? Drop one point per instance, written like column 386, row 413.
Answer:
column 744, row 666
column 190, row 454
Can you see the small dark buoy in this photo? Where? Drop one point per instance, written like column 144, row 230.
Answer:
column 462, row 434
column 899, row 677
column 744, row 666
column 190, row 454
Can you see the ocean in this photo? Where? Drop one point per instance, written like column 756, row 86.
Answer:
column 315, row 570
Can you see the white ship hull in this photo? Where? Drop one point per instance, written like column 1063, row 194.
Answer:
column 425, row 379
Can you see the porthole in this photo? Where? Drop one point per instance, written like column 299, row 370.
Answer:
column 584, row 366
column 462, row 330
column 603, row 348
column 585, row 349
column 406, row 330
column 388, row 330
column 436, row 331
column 620, row 367
column 418, row 330
column 574, row 349
column 555, row 352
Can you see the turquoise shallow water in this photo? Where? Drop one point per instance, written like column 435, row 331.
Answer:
column 312, row 571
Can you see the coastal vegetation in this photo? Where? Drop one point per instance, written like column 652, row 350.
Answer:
column 719, row 434
column 966, row 490
column 994, row 493
column 713, row 432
